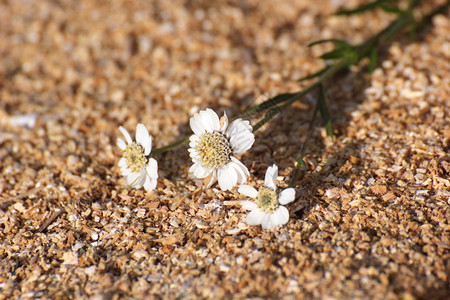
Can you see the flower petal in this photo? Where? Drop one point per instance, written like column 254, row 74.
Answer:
column 143, row 138
column 248, row 191
column 150, row 183
column 121, row 143
column 248, row 205
column 242, row 143
column 126, row 135
column 227, row 177
column 255, row 217
column 125, row 171
column 240, row 135
column 152, row 168
column 210, row 120
column 205, row 120
column 242, row 167
column 212, row 180
column 281, row 215
column 140, row 180
column 287, row 196
column 272, row 221
column 196, row 126
column 265, row 221
column 271, row 177
column 134, row 179
column 123, row 163
column 194, row 155
column 239, row 125
column 199, row 171
column 193, row 140
column 241, row 170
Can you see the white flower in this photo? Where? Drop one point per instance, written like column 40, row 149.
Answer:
column 268, row 209
column 135, row 165
column 212, row 147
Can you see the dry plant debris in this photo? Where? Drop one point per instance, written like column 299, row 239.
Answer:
column 371, row 219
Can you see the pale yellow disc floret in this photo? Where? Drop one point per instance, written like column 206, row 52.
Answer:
column 267, row 200
column 213, row 150
column 136, row 159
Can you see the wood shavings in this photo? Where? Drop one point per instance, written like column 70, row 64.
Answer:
column 371, row 219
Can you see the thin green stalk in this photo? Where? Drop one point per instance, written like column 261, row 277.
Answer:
column 178, row 143
column 295, row 97
column 299, row 159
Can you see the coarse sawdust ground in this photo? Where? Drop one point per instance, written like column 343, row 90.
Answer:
column 371, row 216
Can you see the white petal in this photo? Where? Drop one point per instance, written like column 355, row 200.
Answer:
column 281, row 215
column 248, row 205
column 143, row 138
column 210, row 120
column 248, row 191
column 240, row 172
column 195, row 125
column 240, row 135
column 195, row 160
column 239, row 125
column 123, row 163
column 192, row 168
column 152, row 168
column 126, row 135
column 271, row 177
column 255, row 217
column 238, row 163
column 213, row 179
column 125, row 171
column 272, row 221
column 265, row 221
column 121, row 143
column 194, row 155
column 135, row 179
column 141, row 180
column 205, row 120
column 193, row 140
column 150, row 183
column 199, row 171
column 287, row 196
column 227, row 177
column 242, row 143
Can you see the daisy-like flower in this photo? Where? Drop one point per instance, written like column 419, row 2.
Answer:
column 135, row 165
column 269, row 209
column 212, row 147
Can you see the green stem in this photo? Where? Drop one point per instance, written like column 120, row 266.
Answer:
column 299, row 159
column 170, row 146
column 288, row 101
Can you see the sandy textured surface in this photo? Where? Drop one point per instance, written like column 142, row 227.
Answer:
column 371, row 219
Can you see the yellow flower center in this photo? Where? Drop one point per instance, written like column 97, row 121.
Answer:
column 213, row 150
column 136, row 159
column 267, row 200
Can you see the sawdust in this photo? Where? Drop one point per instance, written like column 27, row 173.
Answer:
column 371, row 219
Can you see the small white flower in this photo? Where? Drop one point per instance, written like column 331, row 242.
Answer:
column 212, row 147
column 268, row 209
column 135, row 165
